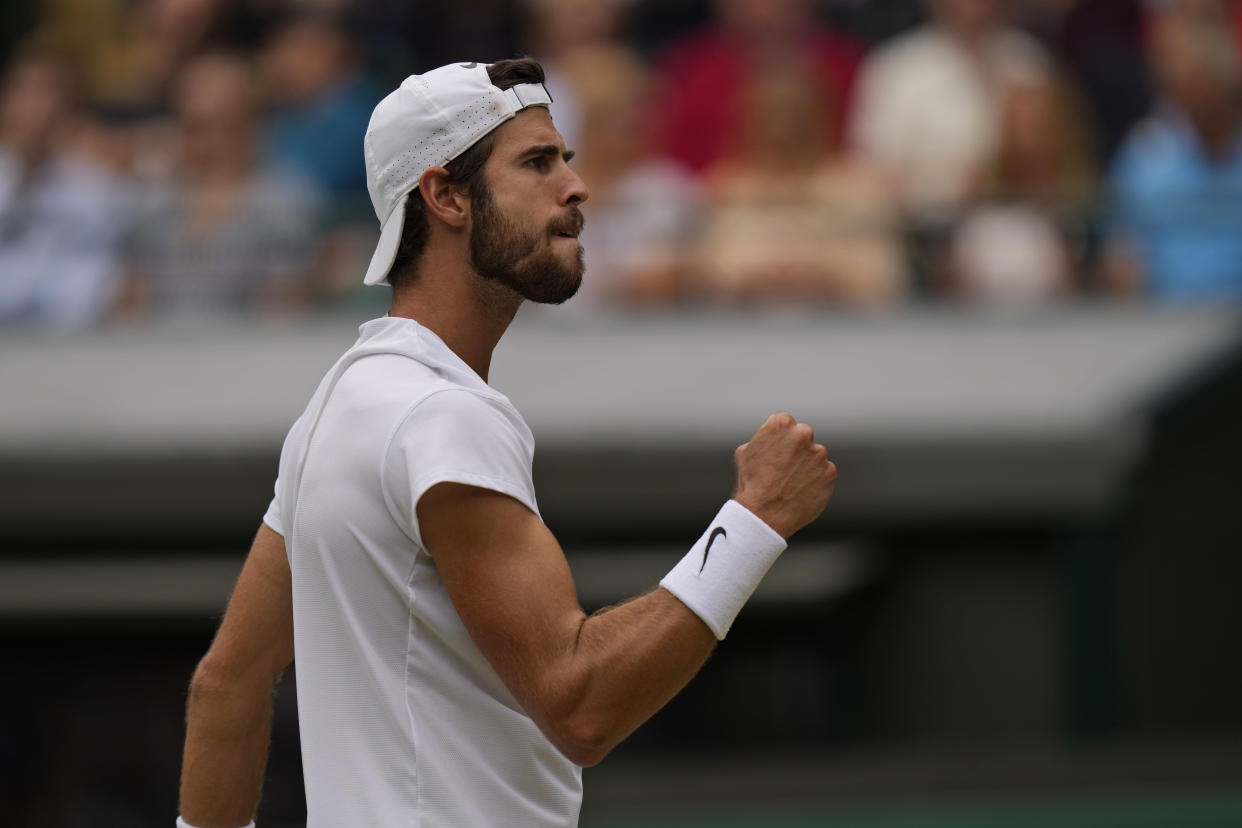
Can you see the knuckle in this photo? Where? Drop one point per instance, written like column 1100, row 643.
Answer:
column 804, row 432
column 782, row 418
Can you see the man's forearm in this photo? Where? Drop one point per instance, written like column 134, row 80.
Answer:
column 228, row 728
column 631, row 660
column 627, row 662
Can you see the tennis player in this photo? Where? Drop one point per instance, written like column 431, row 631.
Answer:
column 447, row 677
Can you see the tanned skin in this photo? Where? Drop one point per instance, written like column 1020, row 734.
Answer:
column 587, row 681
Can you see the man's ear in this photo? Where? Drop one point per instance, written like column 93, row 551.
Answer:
column 444, row 200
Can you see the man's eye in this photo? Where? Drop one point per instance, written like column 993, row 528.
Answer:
column 539, row 162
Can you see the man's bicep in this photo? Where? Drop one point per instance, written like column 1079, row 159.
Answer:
column 256, row 634
column 507, row 578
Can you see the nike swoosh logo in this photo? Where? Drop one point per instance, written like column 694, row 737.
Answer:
column 470, row 65
column 717, row 532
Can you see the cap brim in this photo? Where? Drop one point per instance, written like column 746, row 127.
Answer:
column 386, row 250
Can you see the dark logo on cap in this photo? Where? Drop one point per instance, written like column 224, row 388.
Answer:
column 469, row 65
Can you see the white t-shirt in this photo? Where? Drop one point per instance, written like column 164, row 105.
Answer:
column 403, row 721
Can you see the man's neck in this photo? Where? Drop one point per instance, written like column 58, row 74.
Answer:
column 469, row 314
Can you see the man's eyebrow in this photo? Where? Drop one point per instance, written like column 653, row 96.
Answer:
column 546, row 149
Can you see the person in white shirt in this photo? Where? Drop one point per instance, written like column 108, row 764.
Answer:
column 447, row 675
column 928, row 103
column 63, row 215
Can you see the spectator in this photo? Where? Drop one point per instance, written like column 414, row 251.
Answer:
column 322, row 102
column 132, row 51
column 1100, row 42
column 222, row 232
column 61, row 216
column 928, row 102
column 642, row 208
column 790, row 219
column 1177, row 181
column 558, row 29
column 703, row 77
column 442, row 32
column 1026, row 242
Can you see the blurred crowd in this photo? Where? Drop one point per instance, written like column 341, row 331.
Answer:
column 197, row 156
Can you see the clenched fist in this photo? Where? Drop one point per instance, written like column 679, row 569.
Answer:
column 783, row 476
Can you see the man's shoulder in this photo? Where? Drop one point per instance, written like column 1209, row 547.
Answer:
column 470, row 412
column 461, row 435
column 400, row 372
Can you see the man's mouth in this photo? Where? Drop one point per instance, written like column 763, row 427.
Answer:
column 569, row 230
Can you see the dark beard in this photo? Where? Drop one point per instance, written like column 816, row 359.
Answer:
column 502, row 253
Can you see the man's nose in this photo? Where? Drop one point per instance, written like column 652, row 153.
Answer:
column 576, row 190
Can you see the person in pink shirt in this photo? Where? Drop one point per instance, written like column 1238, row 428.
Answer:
column 698, row 112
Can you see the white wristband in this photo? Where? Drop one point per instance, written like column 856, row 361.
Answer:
column 722, row 569
column 181, row 823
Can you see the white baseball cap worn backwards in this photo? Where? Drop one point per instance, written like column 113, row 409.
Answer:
column 429, row 120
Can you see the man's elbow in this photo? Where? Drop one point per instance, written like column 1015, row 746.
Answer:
column 211, row 681
column 214, row 680
column 585, row 740
column 580, row 721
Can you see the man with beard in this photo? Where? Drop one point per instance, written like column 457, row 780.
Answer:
column 446, row 673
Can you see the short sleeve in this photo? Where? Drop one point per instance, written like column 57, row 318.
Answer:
column 456, row 436
column 272, row 516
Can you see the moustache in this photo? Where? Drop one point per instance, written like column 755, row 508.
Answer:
column 571, row 224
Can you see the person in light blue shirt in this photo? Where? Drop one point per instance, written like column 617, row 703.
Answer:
column 323, row 100
column 1175, row 232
